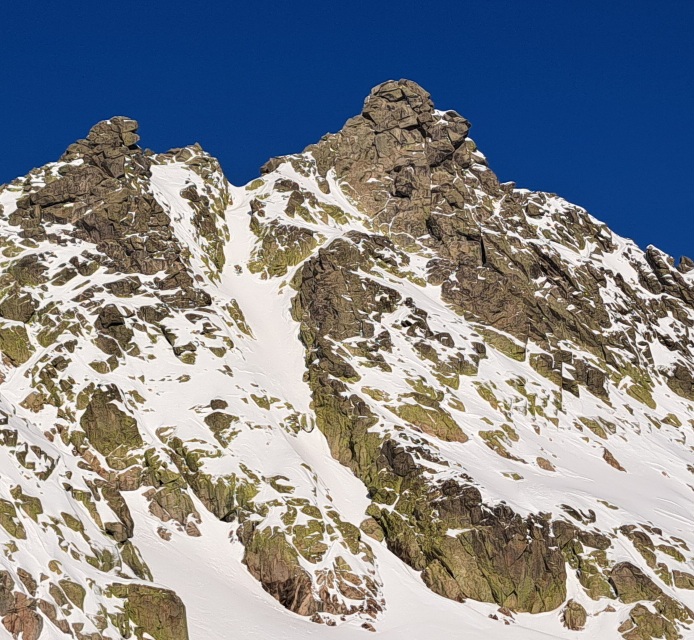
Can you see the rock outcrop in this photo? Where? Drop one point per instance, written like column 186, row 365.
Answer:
column 374, row 354
column 156, row 612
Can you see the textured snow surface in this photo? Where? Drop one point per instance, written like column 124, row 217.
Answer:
column 653, row 491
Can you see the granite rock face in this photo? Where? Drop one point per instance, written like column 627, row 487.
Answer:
column 374, row 355
column 422, row 181
column 501, row 557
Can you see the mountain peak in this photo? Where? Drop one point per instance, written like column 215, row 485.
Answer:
column 118, row 130
column 108, row 138
column 373, row 355
column 401, row 103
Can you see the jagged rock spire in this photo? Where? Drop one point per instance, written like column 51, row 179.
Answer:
column 402, row 104
column 107, row 145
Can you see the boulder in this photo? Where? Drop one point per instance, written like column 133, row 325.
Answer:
column 574, row 616
column 110, row 429
column 154, row 611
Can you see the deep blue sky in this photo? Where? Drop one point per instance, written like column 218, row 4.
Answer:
column 591, row 100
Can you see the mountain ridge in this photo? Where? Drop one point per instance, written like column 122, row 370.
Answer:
column 494, row 369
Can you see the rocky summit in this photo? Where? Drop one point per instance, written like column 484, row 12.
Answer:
column 374, row 390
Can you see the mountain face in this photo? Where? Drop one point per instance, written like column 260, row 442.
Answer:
column 374, row 389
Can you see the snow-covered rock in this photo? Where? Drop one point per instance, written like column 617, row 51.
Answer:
column 373, row 389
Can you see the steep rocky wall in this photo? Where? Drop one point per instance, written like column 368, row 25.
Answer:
column 496, row 367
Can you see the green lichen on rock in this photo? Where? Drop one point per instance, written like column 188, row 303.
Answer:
column 672, row 420
column 543, row 363
column 15, row 343
column 432, row 420
column 439, row 579
column 594, row 426
column 239, row 319
column 220, row 423
column 17, row 305
column 507, row 345
column 335, row 212
column 72, row 522
column 29, row 504
column 351, row 535
column 157, row 612
column 478, row 562
column 644, row 624
column 594, row 582
column 255, row 184
column 225, row 496
column 75, row 593
column 376, row 394
column 111, row 431
column 281, row 246
column 50, row 333
column 264, row 402
column 642, row 394
column 132, row 558
column 169, row 499
column 100, row 366
column 347, row 432
column 28, row 271
column 275, row 564
column 497, row 440
column 484, row 565
column 588, row 566
column 10, row 522
column 631, row 584
column 642, row 542
column 308, row 539
column 487, row 394
column 509, row 564
column 683, row 580
column 672, row 552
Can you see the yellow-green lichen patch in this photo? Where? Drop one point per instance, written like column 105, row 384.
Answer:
column 75, row 593
column 264, row 402
column 434, row 421
column 308, row 540
column 220, row 425
column 543, row 363
column 29, row 504
column 15, row 343
column 594, row 426
column 334, row 212
column 111, row 431
column 10, row 522
column 672, row 420
column 281, row 247
column 642, row 394
column 486, row 393
column 376, row 394
column 160, row 613
column 255, row 184
column 239, row 319
column 497, row 440
column 503, row 343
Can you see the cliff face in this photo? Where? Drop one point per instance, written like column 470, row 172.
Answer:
column 372, row 375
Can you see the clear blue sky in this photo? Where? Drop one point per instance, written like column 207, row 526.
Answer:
column 591, row 100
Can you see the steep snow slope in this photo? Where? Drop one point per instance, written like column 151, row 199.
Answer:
column 373, row 389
